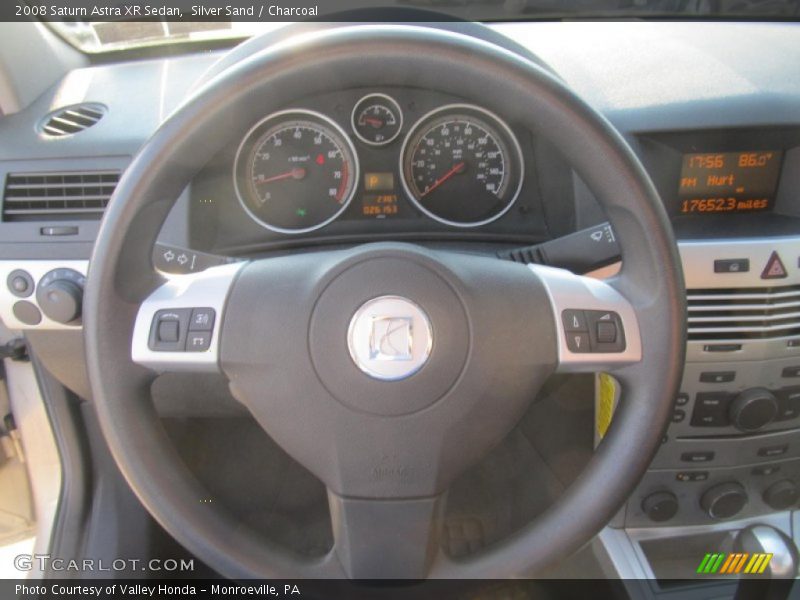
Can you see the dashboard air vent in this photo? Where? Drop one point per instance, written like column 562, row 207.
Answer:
column 72, row 119
column 745, row 313
column 57, row 196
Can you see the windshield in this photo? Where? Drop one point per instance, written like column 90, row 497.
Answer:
column 231, row 20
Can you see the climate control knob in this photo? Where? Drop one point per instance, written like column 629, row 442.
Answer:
column 724, row 500
column 660, row 506
column 60, row 295
column 781, row 494
column 753, row 409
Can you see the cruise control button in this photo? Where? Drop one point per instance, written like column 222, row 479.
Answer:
column 168, row 330
column 682, row 399
column 678, row 415
column 202, row 319
column 578, row 342
column 198, row 341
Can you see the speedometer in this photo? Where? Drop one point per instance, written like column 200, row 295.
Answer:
column 295, row 171
column 462, row 166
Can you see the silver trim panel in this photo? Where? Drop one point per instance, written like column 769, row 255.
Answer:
column 208, row 288
column 569, row 291
column 698, row 258
column 37, row 269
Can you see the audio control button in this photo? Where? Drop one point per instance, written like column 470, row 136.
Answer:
column 788, row 405
column 717, row 376
column 697, row 457
column 711, row 409
column 574, row 320
column 692, row 476
column 771, row 451
column 790, row 372
column 578, row 342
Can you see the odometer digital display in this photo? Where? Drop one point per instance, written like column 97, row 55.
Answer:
column 728, row 182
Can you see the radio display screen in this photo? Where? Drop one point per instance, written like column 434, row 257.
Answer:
column 728, row 182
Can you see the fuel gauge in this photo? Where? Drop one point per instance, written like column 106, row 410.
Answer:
column 377, row 119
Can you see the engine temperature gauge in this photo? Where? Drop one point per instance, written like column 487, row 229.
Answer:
column 377, row 119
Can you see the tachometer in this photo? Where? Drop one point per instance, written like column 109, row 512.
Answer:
column 462, row 166
column 295, row 171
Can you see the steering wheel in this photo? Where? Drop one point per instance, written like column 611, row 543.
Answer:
column 294, row 335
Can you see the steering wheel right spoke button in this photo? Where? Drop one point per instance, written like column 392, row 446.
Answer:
column 595, row 331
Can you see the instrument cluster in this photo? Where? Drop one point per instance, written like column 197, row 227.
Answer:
column 456, row 163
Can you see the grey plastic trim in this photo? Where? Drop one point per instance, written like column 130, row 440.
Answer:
column 569, row 291
column 501, row 125
column 208, row 288
column 37, row 270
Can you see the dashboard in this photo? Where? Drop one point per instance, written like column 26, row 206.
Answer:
column 716, row 125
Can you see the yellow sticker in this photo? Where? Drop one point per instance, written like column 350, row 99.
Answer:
column 606, row 403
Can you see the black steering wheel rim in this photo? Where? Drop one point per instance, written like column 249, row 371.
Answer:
column 121, row 275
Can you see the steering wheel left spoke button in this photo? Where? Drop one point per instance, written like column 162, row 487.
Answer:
column 169, row 329
column 202, row 319
column 198, row 341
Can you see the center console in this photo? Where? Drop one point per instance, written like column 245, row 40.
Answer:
column 731, row 455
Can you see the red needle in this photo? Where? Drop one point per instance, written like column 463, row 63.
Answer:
column 297, row 173
column 374, row 122
column 459, row 168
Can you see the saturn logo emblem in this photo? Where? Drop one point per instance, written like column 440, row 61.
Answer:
column 390, row 338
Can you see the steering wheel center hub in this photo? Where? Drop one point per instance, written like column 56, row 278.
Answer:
column 390, row 338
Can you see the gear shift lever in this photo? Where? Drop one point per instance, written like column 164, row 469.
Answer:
column 776, row 582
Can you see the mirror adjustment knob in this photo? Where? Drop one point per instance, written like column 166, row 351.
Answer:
column 724, row 500
column 753, row 409
column 781, row 494
column 660, row 506
column 60, row 295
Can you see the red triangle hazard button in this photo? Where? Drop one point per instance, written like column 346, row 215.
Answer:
column 774, row 268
